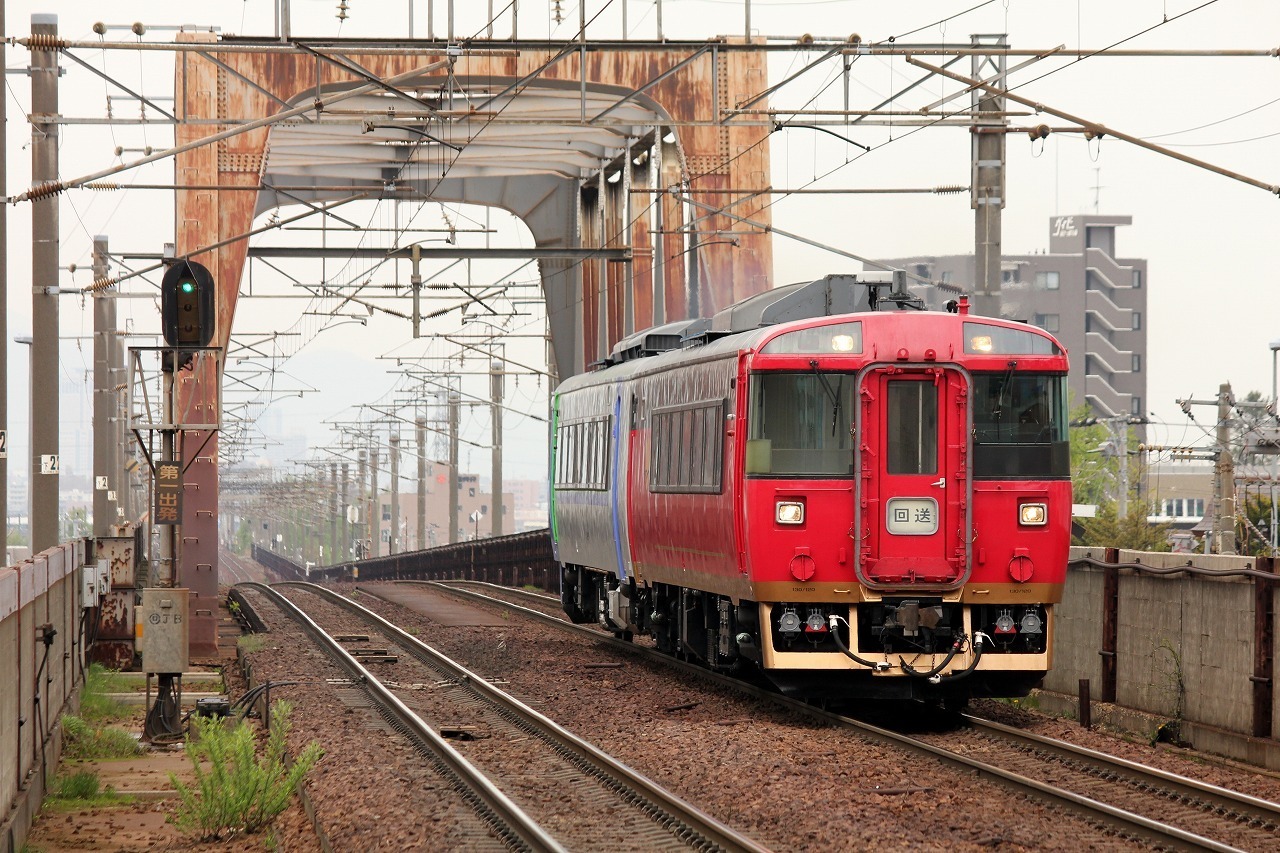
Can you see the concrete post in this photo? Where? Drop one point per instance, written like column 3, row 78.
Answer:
column 4, row 297
column 988, row 183
column 1224, row 485
column 106, row 470
column 375, row 504
column 365, row 530
column 44, row 287
column 420, row 427
column 344, row 547
column 394, row 542
column 495, row 505
column 452, row 497
column 331, row 558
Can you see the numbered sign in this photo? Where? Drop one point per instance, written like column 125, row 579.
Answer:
column 100, row 483
column 49, row 463
column 4, row 444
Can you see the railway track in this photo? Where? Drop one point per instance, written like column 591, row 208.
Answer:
column 1134, row 800
column 612, row 804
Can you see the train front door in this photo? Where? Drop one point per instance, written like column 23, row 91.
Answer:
column 913, row 483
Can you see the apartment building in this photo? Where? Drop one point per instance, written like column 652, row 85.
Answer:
column 1081, row 290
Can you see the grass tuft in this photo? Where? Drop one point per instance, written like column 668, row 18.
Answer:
column 250, row 643
column 95, row 705
column 84, row 741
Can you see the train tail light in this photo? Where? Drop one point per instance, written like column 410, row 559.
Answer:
column 816, row 623
column 789, row 512
column 1033, row 514
column 789, row 622
column 1004, row 623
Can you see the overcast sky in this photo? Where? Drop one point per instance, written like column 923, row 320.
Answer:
column 1212, row 242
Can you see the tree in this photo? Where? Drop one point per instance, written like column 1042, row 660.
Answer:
column 1133, row 531
column 1094, row 474
column 1253, row 529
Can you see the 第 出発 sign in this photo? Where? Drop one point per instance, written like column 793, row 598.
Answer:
column 168, row 508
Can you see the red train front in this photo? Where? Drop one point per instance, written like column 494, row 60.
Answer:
column 864, row 503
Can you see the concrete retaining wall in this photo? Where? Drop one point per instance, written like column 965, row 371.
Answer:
column 37, row 681
column 1184, row 643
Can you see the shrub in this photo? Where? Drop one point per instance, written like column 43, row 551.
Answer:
column 81, row 740
column 236, row 790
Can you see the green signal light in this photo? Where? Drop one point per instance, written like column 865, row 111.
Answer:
column 187, row 286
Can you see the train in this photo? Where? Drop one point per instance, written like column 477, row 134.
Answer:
column 825, row 485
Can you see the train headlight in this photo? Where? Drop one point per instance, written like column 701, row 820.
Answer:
column 981, row 344
column 1033, row 514
column 842, row 343
column 789, row 512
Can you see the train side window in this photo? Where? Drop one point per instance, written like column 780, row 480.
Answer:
column 912, row 429
column 686, row 451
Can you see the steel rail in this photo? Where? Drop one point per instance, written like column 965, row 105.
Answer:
column 1232, row 802
column 1128, row 822
column 503, row 815
column 712, row 834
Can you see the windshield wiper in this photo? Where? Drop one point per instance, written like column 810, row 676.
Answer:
column 834, row 395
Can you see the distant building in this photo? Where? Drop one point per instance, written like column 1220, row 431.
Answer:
column 1089, row 298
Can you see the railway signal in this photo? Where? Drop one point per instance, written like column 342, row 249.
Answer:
column 187, row 307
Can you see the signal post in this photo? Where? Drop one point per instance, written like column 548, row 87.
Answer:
column 163, row 629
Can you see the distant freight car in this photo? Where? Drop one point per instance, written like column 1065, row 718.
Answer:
column 856, row 497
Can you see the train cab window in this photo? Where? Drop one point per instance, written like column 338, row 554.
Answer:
column 1020, row 425
column 912, row 428
column 799, row 425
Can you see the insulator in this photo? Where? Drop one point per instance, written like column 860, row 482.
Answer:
column 949, row 190
column 101, row 186
column 45, row 190
column 101, row 284
column 45, row 41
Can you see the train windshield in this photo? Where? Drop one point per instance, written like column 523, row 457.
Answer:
column 799, row 425
column 1020, row 425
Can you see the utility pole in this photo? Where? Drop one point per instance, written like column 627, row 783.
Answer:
column 988, row 179
column 1224, row 484
column 454, row 405
column 344, row 547
column 1222, row 534
column 420, row 426
column 364, row 507
column 105, row 469
column 394, row 441
column 4, row 297
column 375, row 504
column 495, row 387
column 44, row 478
column 332, row 559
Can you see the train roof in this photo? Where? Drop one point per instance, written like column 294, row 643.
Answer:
column 746, row 324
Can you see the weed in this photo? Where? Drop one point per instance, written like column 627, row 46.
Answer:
column 250, row 643
column 235, row 790
column 79, row 790
column 95, row 703
column 81, row 740
column 531, row 587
